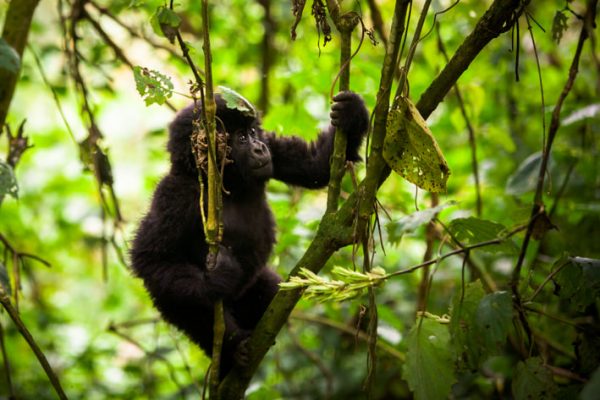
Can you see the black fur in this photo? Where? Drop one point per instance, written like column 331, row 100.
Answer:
column 169, row 250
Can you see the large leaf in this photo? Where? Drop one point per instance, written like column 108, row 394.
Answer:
column 474, row 230
column 533, row 381
column 9, row 58
column 578, row 281
column 8, row 182
column 429, row 368
column 409, row 223
column 494, row 318
column 462, row 325
column 411, row 150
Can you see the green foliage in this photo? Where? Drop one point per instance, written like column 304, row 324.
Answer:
column 152, row 85
column 9, row 58
column 411, row 150
column 8, row 181
column 478, row 351
column 429, row 367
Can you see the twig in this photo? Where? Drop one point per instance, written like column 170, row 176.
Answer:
column 14, row 315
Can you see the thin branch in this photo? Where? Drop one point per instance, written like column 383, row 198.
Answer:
column 14, row 315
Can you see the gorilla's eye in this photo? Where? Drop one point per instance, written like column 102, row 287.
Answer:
column 242, row 138
column 252, row 132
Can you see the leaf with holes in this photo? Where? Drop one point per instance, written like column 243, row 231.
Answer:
column 411, row 150
column 429, row 368
column 153, row 86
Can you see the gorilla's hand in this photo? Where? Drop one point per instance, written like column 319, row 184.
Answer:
column 349, row 113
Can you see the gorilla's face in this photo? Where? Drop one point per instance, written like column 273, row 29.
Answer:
column 250, row 155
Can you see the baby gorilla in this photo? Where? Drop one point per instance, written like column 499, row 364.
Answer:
column 169, row 250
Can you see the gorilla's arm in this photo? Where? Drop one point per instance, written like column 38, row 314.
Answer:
column 307, row 164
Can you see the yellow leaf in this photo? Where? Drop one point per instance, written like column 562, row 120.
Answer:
column 411, row 150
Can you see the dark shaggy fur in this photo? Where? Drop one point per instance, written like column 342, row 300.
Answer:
column 169, row 251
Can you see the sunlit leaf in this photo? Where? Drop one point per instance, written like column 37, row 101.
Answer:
column 235, row 101
column 533, row 381
column 429, row 368
column 411, row 150
column 409, row 223
column 474, row 230
column 9, row 58
column 8, row 181
column 591, row 111
column 153, row 86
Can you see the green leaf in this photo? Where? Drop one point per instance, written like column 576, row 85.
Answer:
column 9, row 58
column 411, row 222
column 8, row 181
column 429, row 367
column 533, row 381
column 579, row 281
column 153, row 86
column 165, row 22
column 494, row 318
column 411, row 150
column 474, row 230
column 4, row 280
column 592, row 387
column 525, row 178
column 462, row 325
column 235, row 101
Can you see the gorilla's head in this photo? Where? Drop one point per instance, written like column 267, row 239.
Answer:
column 249, row 154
